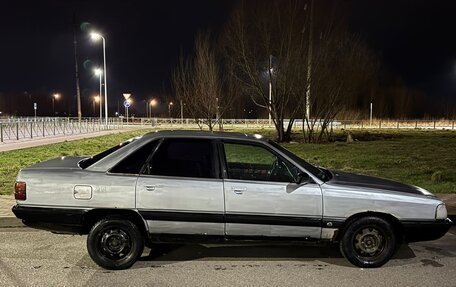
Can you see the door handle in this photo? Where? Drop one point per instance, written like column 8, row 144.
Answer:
column 150, row 187
column 239, row 190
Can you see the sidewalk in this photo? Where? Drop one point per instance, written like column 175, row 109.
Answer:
column 7, row 218
column 28, row 143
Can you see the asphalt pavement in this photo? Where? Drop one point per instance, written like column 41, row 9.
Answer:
column 39, row 258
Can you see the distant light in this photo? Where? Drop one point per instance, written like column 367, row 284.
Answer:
column 129, row 100
column 153, row 102
column 171, row 103
column 98, row 71
column 56, row 96
column 97, row 99
column 257, row 136
column 95, row 36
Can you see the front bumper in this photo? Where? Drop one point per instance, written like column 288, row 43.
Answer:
column 425, row 230
column 59, row 220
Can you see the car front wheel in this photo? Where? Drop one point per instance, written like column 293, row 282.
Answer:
column 115, row 243
column 368, row 242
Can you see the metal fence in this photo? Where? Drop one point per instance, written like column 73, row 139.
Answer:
column 12, row 129
column 17, row 129
column 298, row 124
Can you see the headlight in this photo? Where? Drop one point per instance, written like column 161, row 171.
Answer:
column 441, row 212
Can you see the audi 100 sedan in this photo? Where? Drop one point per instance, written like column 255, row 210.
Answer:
column 195, row 187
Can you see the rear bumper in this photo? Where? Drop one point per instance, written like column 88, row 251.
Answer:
column 57, row 220
column 425, row 230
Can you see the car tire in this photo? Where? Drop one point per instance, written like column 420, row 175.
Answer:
column 368, row 242
column 115, row 243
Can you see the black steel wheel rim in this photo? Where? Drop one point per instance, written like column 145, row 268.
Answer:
column 114, row 243
column 369, row 242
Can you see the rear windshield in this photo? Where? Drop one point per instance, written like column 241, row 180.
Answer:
column 93, row 159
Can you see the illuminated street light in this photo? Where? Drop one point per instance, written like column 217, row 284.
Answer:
column 54, row 97
column 97, row 99
column 169, row 109
column 96, row 37
column 99, row 72
column 152, row 103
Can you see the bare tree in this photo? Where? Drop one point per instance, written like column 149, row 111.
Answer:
column 200, row 84
column 267, row 48
column 331, row 68
column 343, row 71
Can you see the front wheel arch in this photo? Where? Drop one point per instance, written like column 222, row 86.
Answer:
column 396, row 224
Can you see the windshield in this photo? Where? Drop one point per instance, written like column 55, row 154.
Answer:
column 321, row 173
column 93, row 159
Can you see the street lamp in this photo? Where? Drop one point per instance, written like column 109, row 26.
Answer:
column 95, row 37
column 169, row 109
column 97, row 99
column 99, row 72
column 54, row 97
column 153, row 103
column 270, row 70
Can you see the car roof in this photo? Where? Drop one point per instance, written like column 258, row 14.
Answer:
column 203, row 134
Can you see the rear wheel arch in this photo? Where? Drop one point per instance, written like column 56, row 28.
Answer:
column 93, row 216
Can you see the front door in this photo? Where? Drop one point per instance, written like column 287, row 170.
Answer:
column 263, row 198
column 181, row 191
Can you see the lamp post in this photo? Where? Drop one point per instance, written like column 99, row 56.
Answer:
column 96, row 36
column 370, row 113
column 169, row 109
column 97, row 99
column 270, row 70
column 54, row 97
column 99, row 72
column 182, row 112
column 152, row 104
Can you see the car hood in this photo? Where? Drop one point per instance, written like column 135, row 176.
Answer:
column 364, row 181
column 64, row 162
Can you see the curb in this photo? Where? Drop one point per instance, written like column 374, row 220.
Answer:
column 10, row 222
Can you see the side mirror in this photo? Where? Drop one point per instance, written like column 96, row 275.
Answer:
column 302, row 178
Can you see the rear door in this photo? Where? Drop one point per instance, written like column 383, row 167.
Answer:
column 180, row 191
column 262, row 197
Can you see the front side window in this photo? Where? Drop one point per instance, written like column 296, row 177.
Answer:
column 253, row 162
column 183, row 158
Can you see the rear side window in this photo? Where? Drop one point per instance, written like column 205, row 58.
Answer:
column 91, row 160
column 183, row 158
column 133, row 163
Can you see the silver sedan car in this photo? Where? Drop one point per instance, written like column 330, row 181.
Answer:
column 187, row 187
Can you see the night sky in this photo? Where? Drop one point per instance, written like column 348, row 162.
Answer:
column 415, row 40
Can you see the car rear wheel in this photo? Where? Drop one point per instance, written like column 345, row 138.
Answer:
column 368, row 242
column 115, row 243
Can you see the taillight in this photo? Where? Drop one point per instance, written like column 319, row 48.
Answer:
column 20, row 190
